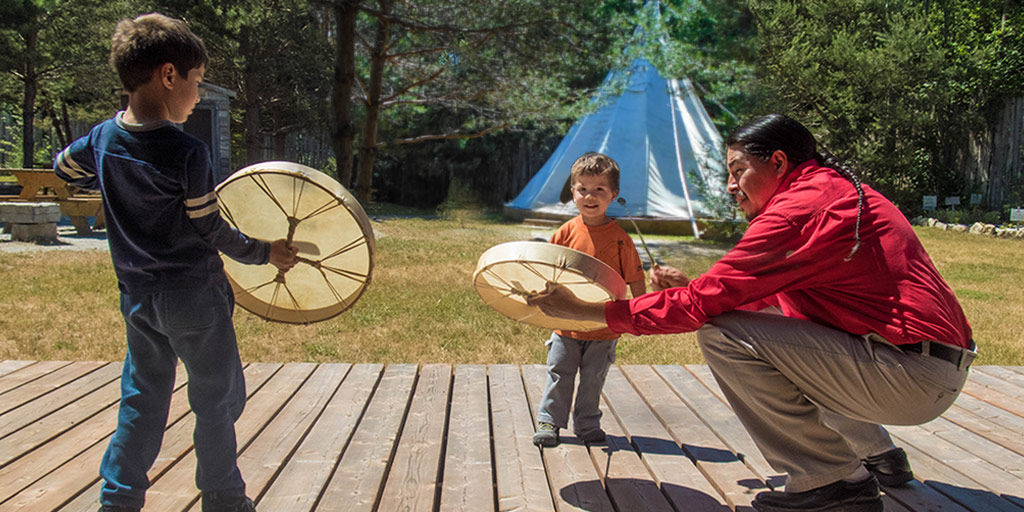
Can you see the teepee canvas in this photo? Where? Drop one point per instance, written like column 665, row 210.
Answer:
column 667, row 148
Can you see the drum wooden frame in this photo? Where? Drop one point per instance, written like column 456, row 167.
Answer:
column 508, row 273
column 275, row 200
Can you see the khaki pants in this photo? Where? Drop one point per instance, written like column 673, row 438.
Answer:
column 812, row 397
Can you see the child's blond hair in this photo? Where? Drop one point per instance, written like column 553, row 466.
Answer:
column 596, row 164
column 141, row 45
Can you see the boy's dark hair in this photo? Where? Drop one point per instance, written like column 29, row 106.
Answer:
column 596, row 164
column 145, row 43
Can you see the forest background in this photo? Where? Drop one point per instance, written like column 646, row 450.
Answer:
column 427, row 102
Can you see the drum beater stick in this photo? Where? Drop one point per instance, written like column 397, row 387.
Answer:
column 622, row 201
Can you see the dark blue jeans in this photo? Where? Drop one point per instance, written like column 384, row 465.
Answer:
column 196, row 326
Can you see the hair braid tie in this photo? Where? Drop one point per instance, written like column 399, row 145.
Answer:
column 829, row 160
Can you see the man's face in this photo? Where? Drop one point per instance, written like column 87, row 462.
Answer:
column 753, row 182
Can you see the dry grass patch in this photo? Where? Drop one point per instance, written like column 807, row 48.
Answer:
column 421, row 306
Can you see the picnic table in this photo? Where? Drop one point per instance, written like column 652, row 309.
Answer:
column 75, row 204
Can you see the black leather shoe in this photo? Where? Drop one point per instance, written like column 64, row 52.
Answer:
column 115, row 508
column 223, row 502
column 891, row 468
column 841, row 496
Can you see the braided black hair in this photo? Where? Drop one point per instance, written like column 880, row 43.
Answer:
column 763, row 136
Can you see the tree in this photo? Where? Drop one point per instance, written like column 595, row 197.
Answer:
column 488, row 65
column 900, row 88
column 56, row 50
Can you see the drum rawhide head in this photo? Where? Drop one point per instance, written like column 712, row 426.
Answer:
column 275, row 200
column 508, row 273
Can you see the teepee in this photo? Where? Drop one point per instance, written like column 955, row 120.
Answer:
column 668, row 151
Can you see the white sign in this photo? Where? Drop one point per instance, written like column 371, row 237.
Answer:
column 952, row 201
column 975, row 198
column 1016, row 214
column 930, row 202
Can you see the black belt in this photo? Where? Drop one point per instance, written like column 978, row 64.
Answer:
column 940, row 350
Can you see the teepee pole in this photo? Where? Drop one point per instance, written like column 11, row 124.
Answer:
column 674, row 93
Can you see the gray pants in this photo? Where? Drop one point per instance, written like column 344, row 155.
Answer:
column 812, row 397
column 565, row 356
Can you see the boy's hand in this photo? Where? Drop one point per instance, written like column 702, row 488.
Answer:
column 282, row 255
column 667, row 277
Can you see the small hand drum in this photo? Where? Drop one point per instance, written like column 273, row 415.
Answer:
column 508, row 273
column 274, row 200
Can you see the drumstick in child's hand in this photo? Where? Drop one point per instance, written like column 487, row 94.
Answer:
column 622, row 201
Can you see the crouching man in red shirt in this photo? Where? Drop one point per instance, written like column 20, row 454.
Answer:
column 870, row 332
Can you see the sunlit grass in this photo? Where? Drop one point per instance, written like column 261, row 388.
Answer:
column 421, row 307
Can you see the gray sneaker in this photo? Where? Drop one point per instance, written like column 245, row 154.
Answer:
column 547, row 435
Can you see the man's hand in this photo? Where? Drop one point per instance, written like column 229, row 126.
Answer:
column 667, row 277
column 557, row 301
column 282, row 255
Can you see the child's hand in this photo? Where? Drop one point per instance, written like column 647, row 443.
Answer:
column 667, row 277
column 282, row 255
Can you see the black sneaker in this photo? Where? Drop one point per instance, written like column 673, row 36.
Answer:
column 841, row 496
column 547, row 435
column 116, row 508
column 594, row 435
column 220, row 502
column 891, row 468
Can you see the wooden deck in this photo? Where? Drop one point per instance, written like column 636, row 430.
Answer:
column 437, row 437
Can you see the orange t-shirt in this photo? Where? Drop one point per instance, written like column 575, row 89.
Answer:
column 608, row 243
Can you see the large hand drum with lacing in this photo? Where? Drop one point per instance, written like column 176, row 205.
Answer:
column 508, row 273
column 274, row 200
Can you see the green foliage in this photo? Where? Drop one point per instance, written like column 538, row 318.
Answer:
column 896, row 87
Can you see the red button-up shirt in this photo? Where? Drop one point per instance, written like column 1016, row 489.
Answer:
column 793, row 254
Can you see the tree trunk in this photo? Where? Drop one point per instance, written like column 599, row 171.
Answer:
column 344, row 80
column 991, row 162
column 251, row 102
column 28, row 143
column 368, row 140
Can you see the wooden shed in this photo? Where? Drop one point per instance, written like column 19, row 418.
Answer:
column 211, row 123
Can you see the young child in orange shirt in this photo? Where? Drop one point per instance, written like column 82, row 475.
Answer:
column 595, row 184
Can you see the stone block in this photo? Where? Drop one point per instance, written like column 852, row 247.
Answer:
column 43, row 232
column 29, row 213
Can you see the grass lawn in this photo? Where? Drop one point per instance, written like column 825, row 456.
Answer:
column 421, row 307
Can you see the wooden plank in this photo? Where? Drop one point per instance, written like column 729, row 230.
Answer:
column 631, row 484
column 11, row 366
column 11, row 383
column 574, row 480
column 177, row 440
column 359, row 478
column 30, row 437
column 415, row 469
column 518, row 467
column 981, row 473
column 468, row 481
column 977, row 445
column 1009, row 439
column 62, row 395
column 658, row 441
column 994, row 396
column 175, row 489
column 297, row 487
column 729, row 476
column 1006, row 381
column 1006, row 374
column 260, row 461
column 939, row 487
column 719, row 417
column 62, row 467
